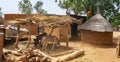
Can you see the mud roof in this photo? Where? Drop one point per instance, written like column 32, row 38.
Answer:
column 97, row 23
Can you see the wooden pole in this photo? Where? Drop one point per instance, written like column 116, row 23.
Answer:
column 68, row 34
column 71, row 56
column 1, row 46
column 18, row 37
column 29, row 36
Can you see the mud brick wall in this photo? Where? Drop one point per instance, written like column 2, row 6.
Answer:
column 96, row 37
column 34, row 29
column 63, row 33
column 54, row 33
column 9, row 17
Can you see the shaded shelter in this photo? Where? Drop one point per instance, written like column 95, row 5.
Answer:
column 97, row 30
column 54, row 25
column 18, row 23
column 58, row 26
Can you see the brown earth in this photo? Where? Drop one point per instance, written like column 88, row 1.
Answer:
column 92, row 53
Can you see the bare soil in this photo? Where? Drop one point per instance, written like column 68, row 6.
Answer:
column 106, row 53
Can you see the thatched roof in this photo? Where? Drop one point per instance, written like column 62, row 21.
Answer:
column 51, row 20
column 42, row 20
column 97, row 23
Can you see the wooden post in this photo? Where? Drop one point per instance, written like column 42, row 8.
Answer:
column 1, row 45
column 29, row 36
column 68, row 34
column 18, row 37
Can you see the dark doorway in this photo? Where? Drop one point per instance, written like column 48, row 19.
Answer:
column 74, row 30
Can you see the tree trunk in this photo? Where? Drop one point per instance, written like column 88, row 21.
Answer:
column 63, row 53
column 67, row 11
column 71, row 56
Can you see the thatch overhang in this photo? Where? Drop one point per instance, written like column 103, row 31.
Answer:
column 51, row 20
column 97, row 23
column 42, row 19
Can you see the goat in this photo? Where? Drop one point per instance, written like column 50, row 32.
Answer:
column 38, row 38
column 49, row 39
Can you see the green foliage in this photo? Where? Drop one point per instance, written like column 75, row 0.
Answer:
column 0, row 11
column 77, row 7
column 25, row 6
column 38, row 8
column 115, row 20
column 116, row 23
column 108, row 8
column 71, row 5
column 65, row 4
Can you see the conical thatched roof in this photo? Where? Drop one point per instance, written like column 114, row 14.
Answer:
column 97, row 23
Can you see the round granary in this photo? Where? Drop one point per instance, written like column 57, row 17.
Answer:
column 97, row 30
column 96, row 37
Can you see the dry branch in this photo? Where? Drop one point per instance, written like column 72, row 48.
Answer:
column 16, row 53
column 63, row 58
column 63, row 53
column 45, row 56
column 71, row 56
column 37, row 55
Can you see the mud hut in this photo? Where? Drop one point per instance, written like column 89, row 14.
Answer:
column 97, row 30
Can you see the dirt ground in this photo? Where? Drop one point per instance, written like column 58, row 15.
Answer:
column 92, row 53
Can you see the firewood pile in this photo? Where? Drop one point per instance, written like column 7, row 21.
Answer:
column 35, row 55
column 50, row 20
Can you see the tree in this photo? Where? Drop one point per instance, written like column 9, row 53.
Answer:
column 116, row 20
column 71, row 5
column 38, row 8
column 25, row 7
column 0, row 12
column 77, row 8
column 65, row 4
column 108, row 8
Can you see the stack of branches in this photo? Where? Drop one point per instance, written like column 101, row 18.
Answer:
column 45, row 20
column 50, row 20
column 30, row 55
column 42, row 20
column 18, row 22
